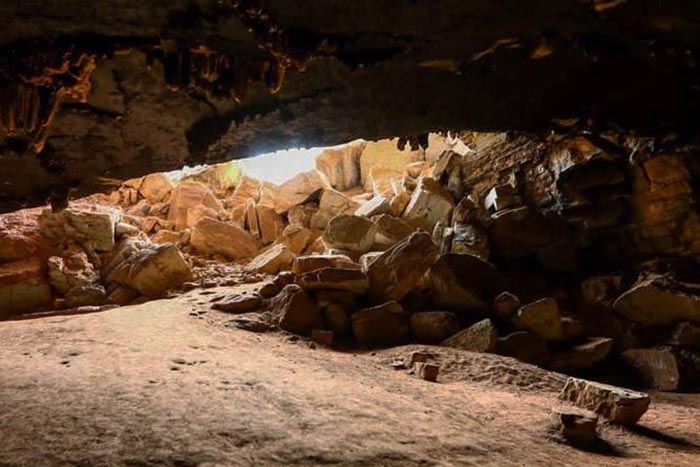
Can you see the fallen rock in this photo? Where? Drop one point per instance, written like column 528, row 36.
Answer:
column 271, row 225
column 658, row 368
column 341, row 165
column 239, row 303
column 519, row 232
column 188, row 195
column 297, row 238
column 427, row 371
column 399, row 202
column 385, row 154
column 600, row 290
column 168, row 236
column 197, row 213
column 469, row 239
column 381, row 326
column 390, row 231
column 211, row 237
column 375, row 206
column 542, row 318
column 351, row 280
column 462, row 282
column 16, row 245
column 303, row 264
column 337, row 318
column 367, row 259
column 273, row 260
column 23, row 287
column 502, row 197
column 429, row 204
column 71, row 270
column 506, row 306
column 94, row 225
column 652, row 301
column 156, row 187
column 396, row 271
column 298, row 190
column 619, row 405
column 86, row 295
column 152, row 270
column 479, row 337
column 582, row 356
column 322, row 336
column 524, row 346
column 578, row 427
column 122, row 296
column 301, row 215
column 352, row 233
column 686, row 335
column 297, row 312
column 432, row 327
column 248, row 188
column 331, row 204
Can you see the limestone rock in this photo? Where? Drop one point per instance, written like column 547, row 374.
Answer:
column 390, row 231
column 211, row 237
column 156, row 187
column 367, row 259
column 71, row 270
column 86, row 295
column 273, row 260
column 619, row 405
column 248, row 188
column 429, row 204
column 337, row 318
column 426, row 371
column 304, row 264
column 167, row 236
column 152, row 270
column 197, row 213
column 239, row 303
column 270, row 223
column 460, row 282
column 23, row 286
column 686, row 335
column 432, row 327
column 582, row 356
column 650, row 301
column 385, row 154
column 295, row 191
column 396, row 271
column 251, row 219
column 469, row 239
column 331, row 204
column 506, row 305
column 541, row 317
column 518, row 232
column 301, row 215
column 89, row 224
column 502, row 197
column 297, row 238
column 341, row 165
column 375, row 206
column 351, row 280
column 298, row 313
column 658, row 368
column 600, row 290
column 381, row 326
column 479, row 337
column 188, row 195
column 384, row 181
column 524, row 346
column 576, row 426
column 398, row 203
column 16, row 245
column 353, row 233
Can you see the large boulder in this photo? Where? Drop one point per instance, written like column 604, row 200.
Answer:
column 298, row 190
column 304, row 264
column 270, row 224
column 374, row 207
column 582, row 356
column 430, row 203
column 331, row 204
column 525, row 346
column 654, row 300
column 390, row 231
column 385, row 154
column 72, row 269
column 156, row 187
column 479, row 337
column 297, row 238
column 16, row 245
column 542, row 318
column 273, row 260
column 297, row 311
column 396, row 271
column 188, row 195
column 23, row 286
column 351, row 280
column 619, row 405
column 432, row 327
column 381, row 326
column 211, row 237
column 341, row 165
column 92, row 225
column 351, row 233
column 657, row 368
column 463, row 282
column 152, row 270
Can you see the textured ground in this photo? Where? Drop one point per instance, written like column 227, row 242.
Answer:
column 152, row 385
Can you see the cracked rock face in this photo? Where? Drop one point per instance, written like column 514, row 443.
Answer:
column 94, row 94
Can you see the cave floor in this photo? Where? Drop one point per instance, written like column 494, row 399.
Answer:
column 151, row 385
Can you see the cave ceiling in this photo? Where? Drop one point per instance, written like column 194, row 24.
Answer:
column 92, row 93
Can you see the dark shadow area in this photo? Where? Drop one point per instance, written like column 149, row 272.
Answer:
column 657, row 435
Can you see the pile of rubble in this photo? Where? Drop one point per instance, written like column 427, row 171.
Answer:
column 536, row 249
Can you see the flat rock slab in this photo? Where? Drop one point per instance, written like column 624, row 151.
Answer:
column 239, row 303
column 619, row 405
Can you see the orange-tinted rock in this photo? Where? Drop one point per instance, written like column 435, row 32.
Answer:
column 381, row 326
column 342, row 165
column 210, row 237
column 24, row 287
column 187, row 195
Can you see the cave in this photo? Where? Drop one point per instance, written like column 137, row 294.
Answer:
column 322, row 232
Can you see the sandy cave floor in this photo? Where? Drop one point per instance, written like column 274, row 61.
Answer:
column 152, row 385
